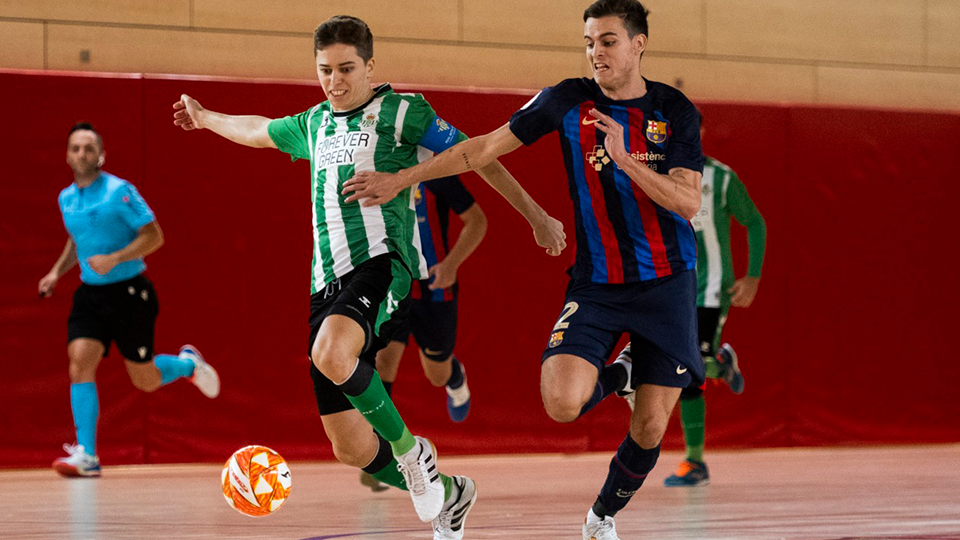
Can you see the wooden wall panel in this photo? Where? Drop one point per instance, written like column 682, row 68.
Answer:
column 734, row 81
column 475, row 66
column 895, row 89
column 154, row 12
column 864, row 31
column 676, row 25
column 176, row 51
column 21, row 45
column 536, row 22
column 943, row 33
column 418, row 19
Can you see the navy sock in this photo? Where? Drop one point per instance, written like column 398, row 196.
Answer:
column 628, row 470
column 456, row 375
column 612, row 378
column 388, row 386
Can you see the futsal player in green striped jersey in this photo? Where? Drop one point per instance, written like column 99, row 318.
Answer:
column 723, row 197
column 365, row 259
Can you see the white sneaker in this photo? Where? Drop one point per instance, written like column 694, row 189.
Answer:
column 78, row 463
column 628, row 392
column 450, row 523
column 601, row 530
column 419, row 469
column 204, row 376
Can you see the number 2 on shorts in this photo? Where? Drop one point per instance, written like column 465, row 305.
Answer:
column 568, row 311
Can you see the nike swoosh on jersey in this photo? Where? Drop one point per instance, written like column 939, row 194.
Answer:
column 681, row 371
column 588, row 121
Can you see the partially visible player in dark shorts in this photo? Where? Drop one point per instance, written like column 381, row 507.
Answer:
column 432, row 314
column 111, row 229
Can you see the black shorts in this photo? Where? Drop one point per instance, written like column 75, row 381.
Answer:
column 709, row 325
column 370, row 295
column 124, row 312
column 434, row 326
column 660, row 315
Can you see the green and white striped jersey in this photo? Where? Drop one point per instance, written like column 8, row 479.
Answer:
column 381, row 135
column 724, row 196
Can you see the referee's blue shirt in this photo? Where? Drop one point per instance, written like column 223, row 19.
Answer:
column 102, row 218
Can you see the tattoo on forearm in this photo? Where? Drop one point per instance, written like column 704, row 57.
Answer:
column 467, row 161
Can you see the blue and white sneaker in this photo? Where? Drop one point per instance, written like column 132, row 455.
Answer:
column 78, row 464
column 458, row 400
column 204, row 376
column 628, row 392
column 730, row 368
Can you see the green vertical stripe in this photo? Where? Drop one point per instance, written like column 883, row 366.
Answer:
column 324, row 236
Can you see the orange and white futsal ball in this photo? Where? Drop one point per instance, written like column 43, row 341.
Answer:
column 256, row 481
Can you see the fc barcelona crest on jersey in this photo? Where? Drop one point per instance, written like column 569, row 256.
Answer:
column 556, row 338
column 656, row 131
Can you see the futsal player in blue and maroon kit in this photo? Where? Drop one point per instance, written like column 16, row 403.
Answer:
column 431, row 312
column 632, row 153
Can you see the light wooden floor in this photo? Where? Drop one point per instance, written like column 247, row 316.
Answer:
column 874, row 493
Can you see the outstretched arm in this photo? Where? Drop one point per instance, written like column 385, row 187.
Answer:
column 479, row 154
column 245, row 130
column 472, row 154
column 66, row 261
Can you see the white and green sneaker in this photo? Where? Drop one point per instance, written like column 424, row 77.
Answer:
column 419, row 469
column 449, row 525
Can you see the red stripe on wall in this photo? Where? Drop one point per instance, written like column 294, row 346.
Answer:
column 648, row 209
column 588, row 143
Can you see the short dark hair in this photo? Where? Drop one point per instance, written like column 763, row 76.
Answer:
column 347, row 30
column 631, row 12
column 86, row 126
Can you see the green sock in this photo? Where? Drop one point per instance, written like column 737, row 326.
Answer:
column 391, row 476
column 693, row 412
column 712, row 368
column 375, row 405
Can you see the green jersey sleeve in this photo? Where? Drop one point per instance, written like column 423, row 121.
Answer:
column 291, row 135
column 742, row 208
column 419, row 117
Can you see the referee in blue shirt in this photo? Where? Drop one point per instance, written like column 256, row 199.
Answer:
column 111, row 229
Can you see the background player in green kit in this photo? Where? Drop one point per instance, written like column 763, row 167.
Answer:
column 364, row 259
column 724, row 196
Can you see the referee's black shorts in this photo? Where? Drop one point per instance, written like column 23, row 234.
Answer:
column 123, row 312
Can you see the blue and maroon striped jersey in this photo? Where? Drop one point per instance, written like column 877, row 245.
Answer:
column 622, row 235
column 434, row 201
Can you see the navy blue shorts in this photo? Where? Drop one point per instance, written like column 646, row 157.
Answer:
column 659, row 314
column 434, row 326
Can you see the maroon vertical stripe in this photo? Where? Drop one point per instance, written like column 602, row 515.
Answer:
column 611, row 249
column 648, row 209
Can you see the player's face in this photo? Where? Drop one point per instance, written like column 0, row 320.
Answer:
column 344, row 76
column 612, row 54
column 84, row 152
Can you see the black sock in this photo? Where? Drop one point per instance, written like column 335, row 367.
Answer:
column 388, row 386
column 383, row 458
column 359, row 381
column 612, row 377
column 456, row 374
column 628, row 470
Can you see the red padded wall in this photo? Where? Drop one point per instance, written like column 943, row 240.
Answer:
column 847, row 342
